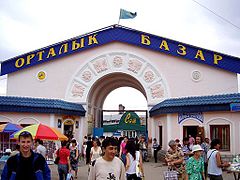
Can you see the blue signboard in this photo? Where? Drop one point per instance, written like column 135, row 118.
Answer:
column 97, row 132
column 125, row 35
column 197, row 116
column 235, row 106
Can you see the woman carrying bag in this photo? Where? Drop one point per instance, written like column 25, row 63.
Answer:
column 64, row 161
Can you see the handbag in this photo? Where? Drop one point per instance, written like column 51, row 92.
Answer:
column 56, row 161
column 69, row 176
column 138, row 169
column 170, row 175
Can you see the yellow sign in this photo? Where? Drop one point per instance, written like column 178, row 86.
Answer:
column 41, row 75
column 129, row 119
column 68, row 122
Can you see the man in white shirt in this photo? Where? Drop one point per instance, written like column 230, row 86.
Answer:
column 215, row 164
column 108, row 167
column 40, row 148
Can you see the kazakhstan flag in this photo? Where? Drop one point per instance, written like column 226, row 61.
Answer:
column 127, row 14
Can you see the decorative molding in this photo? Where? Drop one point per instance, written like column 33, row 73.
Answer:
column 5, row 118
column 100, row 65
column 28, row 119
column 196, row 75
column 196, row 116
column 157, row 91
column 114, row 62
column 149, row 76
column 86, row 76
column 77, row 90
column 117, row 61
column 134, row 65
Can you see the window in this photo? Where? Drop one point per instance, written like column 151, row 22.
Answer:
column 221, row 132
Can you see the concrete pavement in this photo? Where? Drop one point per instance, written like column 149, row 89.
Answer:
column 153, row 171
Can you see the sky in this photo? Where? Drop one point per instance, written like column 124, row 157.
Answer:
column 27, row 25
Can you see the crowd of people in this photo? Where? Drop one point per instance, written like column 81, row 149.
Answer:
column 195, row 159
column 122, row 158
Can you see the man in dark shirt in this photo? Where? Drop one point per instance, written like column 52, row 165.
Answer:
column 26, row 165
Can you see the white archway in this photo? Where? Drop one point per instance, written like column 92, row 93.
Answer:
column 142, row 70
column 93, row 81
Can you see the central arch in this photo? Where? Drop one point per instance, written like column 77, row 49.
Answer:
column 103, row 87
column 94, row 80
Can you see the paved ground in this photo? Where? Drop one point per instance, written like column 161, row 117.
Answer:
column 153, row 171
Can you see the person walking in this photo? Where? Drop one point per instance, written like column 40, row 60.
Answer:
column 27, row 164
column 133, row 162
column 74, row 153
column 206, row 147
column 40, row 148
column 123, row 151
column 84, row 148
column 215, row 164
column 96, row 150
column 64, row 165
column 108, row 167
column 195, row 165
column 156, row 148
column 143, row 148
column 88, row 150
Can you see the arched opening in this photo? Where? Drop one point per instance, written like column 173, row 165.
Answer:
column 102, row 88
column 129, row 97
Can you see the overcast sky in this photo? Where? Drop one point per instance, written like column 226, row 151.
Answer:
column 26, row 25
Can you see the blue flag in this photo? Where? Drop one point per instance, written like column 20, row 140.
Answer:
column 127, row 14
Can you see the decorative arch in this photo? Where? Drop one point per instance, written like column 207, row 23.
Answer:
column 196, row 122
column 217, row 118
column 3, row 119
column 215, row 121
column 153, row 85
column 28, row 120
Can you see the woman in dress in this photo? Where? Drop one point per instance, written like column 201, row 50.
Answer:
column 74, row 157
column 195, row 164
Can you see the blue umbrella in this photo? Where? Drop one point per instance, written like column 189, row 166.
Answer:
column 9, row 128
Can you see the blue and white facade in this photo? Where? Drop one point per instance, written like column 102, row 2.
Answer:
column 85, row 69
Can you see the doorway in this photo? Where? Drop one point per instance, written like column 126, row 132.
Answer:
column 68, row 128
column 160, row 135
column 190, row 130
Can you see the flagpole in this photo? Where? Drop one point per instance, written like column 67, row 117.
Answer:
column 119, row 17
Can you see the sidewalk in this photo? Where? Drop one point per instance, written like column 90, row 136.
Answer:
column 153, row 171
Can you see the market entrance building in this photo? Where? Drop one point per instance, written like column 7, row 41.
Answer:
column 178, row 81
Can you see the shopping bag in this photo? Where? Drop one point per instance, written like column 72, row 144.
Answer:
column 170, row 175
column 69, row 176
